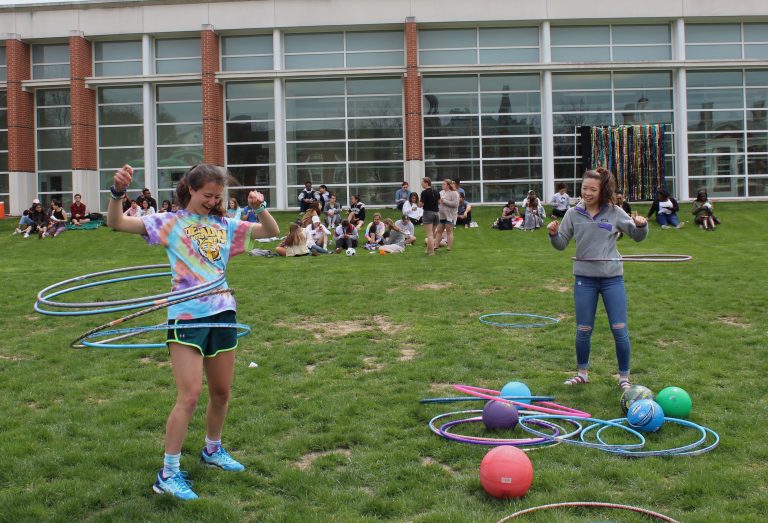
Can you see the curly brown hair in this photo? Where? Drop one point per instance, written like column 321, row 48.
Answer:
column 607, row 184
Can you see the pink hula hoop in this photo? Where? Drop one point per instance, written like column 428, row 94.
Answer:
column 547, row 406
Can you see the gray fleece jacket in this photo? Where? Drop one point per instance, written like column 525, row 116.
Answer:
column 596, row 238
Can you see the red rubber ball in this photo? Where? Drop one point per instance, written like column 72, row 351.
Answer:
column 506, row 472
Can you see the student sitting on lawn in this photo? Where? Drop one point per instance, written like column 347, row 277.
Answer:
column 25, row 224
column 395, row 241
column 77, row 212
column 57, row 222
column 413, row 210
column 345, row 236
column 295, row 244
column 332, row 210
column 510, row 216
column 317, row 236
column 374, row 233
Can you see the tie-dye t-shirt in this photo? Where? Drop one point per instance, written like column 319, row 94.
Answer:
column 199, row 248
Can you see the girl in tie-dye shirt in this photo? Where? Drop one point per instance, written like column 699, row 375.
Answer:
column 199, row 240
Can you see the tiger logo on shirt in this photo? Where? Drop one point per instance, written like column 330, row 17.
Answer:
column 209, row 240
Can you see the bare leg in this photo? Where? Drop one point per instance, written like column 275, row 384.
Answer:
column 187, row 364
column 430, row 238
column 449, row 228
column 219, row 370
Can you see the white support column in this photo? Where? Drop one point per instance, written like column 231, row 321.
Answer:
column 23, row 189
column 148, row 99
column 281, row 169
column 681, row 114
column 86, row 184
column 547, row 127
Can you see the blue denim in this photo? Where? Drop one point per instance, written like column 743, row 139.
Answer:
column 585, row 293
column 667, row 219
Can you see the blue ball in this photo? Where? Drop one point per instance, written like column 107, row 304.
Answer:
column 516, row 388
column 645, row 415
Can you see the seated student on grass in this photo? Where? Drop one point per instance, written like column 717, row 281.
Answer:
column 332, row 212
column 25, row 224
column 357, row 212
column 622, row 202
column 665, row 208
column 133, row 210
column 233, row 209
column 57, row 221
column 560, row 201
column 402, row 195
column 165, row 206
column 703, row 211
column 413, row 210
column 345, row 236
column 374, row 233
column 295, row 244
column 199, row 241
column 407, row 228
column 317, row 236
column 40, row 219
column 395, row 241
column 307, row 196
column 146, row 209
column 510, row 215
column 250, row 213
column 534, row 213
column 464, row 216
column 77, row 212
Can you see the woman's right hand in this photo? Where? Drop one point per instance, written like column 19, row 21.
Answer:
column 553, row 227
column 123, row 178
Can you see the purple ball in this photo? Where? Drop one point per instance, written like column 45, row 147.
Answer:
column 498, row 415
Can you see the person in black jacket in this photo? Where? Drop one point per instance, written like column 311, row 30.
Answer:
column 40, row 218
column 665, row 208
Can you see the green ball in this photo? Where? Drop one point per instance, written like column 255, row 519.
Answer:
column 634, row 393
column 675, row 402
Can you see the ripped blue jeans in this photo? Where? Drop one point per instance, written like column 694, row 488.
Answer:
column 585, row 293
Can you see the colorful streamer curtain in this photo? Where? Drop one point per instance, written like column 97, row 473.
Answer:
column 634, row 153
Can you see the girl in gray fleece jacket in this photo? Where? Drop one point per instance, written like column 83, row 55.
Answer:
column 595, row 223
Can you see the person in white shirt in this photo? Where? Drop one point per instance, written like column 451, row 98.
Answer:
column 560, row 202
column 413, row 210
column 317, row 237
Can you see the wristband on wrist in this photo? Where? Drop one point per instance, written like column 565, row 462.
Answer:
column 116, row 195
column 261, row 208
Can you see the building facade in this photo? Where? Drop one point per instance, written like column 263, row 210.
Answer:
column 360, row 95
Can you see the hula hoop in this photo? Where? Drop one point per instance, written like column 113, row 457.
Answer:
column 591, row 504
column 657, row 258
column 547, row 320
column 685, row 450
column 133, row 331
column 473, row 398
column 444, row 431
column 102, row 307
column 548, row 407
column 600, row 446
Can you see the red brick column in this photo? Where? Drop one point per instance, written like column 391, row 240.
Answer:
column 412, row 90
column 83, row 105
column 213, row 99
column 21, row 109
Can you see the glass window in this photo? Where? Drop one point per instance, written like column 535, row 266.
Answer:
column 54, row 152
column 447, row 38
column 50, row 61
column 3, row 68
column 509, row 36
column 117, row 58
column 177, row 55
column 375, row 40
column 179, row 133
column 712, row 33
column 347, row 135
column 641, row 34
column 246, row 53
column 485, row 45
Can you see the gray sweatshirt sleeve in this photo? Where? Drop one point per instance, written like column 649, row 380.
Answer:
column 626, row 225
column 564, row 234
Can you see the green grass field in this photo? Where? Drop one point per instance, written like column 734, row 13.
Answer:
column 329, row 424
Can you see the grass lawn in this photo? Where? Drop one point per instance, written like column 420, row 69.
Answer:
column 329, row 425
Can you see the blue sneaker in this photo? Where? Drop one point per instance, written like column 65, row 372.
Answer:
column 221, row 459
column 177, row 485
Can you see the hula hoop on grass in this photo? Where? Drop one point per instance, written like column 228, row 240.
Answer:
column 102, row 307
column 533, row 324
column 657, row 258
column 591, row 504
column 474, row 398
column 685, row 450
column 548, row 407
column 600, row 446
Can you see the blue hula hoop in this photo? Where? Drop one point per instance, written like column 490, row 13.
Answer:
column 547, row 320
column 684, row 450
column 133, row 331
column 600, row 446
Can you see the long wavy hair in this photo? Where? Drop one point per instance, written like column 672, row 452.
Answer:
column 196, row 178
column 607, row 185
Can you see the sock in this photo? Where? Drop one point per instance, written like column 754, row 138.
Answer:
column 624, row 376
column 584, row 373
column 211, row 445
column 171, row 464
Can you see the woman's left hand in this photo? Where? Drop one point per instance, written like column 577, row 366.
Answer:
column 259, row 198
column 640, row 221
